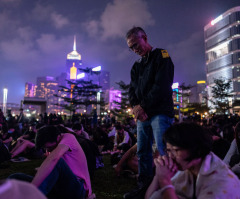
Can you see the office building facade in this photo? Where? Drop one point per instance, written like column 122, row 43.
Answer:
column 30, row 89
column 222, row 50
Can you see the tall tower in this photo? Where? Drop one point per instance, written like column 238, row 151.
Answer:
column 5, row 92
column 74, row 60
column 222, row 49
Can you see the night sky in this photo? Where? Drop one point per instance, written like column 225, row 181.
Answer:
column 35, row 36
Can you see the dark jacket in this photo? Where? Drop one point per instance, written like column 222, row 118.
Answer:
column 151, row 83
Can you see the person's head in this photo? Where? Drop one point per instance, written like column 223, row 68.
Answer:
column 77, row 127
column 32, row 127
column 119, row 129
column 39, row 125
column 186, row 142
column 137, row 41
column 47, row 137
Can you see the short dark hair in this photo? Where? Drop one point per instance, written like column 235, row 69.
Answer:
column 46, row 134
column 190, row 136
column 119, row 127
column 135, row 31
column 77, row 126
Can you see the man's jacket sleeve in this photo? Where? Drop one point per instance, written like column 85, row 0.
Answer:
column 133, row 85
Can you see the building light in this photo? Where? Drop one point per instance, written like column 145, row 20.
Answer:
column 219, row 18
column 201, row 82
column 73, row 72
column 48, row 78
column 98, row 68
column 175, row 85
column 81, row 75
column 28, row 114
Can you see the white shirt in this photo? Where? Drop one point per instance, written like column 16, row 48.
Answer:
column 214, row 181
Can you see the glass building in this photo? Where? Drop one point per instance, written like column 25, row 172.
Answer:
column 222, row 49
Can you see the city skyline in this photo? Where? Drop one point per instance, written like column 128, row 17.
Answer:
column 36, row 36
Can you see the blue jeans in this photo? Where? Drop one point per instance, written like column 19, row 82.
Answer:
column 153, row 127
column 60, row 183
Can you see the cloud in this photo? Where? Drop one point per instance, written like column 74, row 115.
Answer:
column 118, row 17
column 58, row 20
column 8, row 24
column 48, row 44
column 44, row 13
column 41, row 13
column 92, row 27
column 10, row 1
column 18, row 50
column 25, row 33
column 36, row 55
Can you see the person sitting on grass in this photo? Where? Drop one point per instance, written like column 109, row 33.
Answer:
column 232, row 158
column 64, row 173
column 128, row 161
column 79, row 130
column 30, row 133
column 190, row 169
column 7, row 135
column 26, row 144
column 122, row 140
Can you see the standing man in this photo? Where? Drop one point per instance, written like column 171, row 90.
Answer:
column 20, row 119
column 150, row 95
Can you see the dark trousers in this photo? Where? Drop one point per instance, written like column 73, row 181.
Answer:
column 60, row 183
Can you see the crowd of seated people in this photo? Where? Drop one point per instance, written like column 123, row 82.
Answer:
column 223, row 131
column 17, row 142
column 119, row 140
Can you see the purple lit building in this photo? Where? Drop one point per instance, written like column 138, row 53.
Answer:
column 114, row 95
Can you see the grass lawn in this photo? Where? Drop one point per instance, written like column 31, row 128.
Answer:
column 106, row 185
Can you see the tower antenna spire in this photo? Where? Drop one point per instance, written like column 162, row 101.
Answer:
column 74, row 44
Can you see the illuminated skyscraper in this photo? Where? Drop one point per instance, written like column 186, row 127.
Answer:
column 5, row 92
column 30, row 89
column 222, row 49
column 104, row 80
column 73, row 72
column 47, row 87
column 198, row 93
column 74, row 61
column 114, row 96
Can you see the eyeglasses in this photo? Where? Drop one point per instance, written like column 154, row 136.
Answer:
column 173, row 151
column 134, row 47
